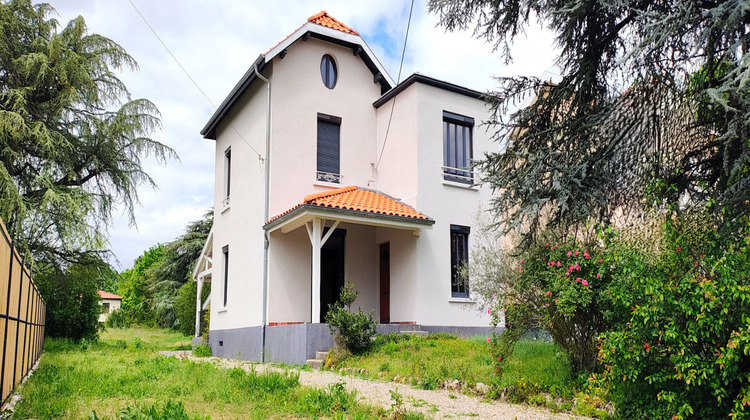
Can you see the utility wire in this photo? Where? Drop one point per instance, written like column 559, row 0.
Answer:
column 398, row 80
column 260, row 157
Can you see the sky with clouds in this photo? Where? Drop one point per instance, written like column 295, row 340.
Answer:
column 217, row 41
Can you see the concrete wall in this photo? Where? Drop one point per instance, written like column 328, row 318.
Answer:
column 289, row 286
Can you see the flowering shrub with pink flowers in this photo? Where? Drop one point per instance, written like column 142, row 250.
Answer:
column 566, row 288
column 685, row 350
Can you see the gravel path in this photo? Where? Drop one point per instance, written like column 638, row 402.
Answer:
column 436, row 403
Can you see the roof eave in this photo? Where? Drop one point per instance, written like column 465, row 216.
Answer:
column 209, row 130
column 430, row 81
column 353, row 215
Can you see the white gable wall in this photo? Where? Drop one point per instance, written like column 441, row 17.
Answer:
column 298, row 96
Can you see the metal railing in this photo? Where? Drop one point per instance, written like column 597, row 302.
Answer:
column 22, row 318
column 462, row 175
column 329, row 177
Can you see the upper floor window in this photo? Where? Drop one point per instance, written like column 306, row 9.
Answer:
column 329, row 143
column 328, row 71
column 457, row 147
column 459, row 259
column 227, row 175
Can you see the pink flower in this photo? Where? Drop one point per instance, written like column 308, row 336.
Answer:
column 546, row 244
column 558, row 263
column 521, row 262
column 600, row 260
column 570, row 253
column 578, row 279
column 503, row 310
column 488, row 310
column 576, row 253
column 678, row 250
column 585, row 283
column 499, row 358
column 646, row 346
column 568, row 273
column 598, row 275
column 578, row 268
column 571, row 267
column 488, row 339
column 586, row 254
column 550, row 324
column 495, row 295
column 548, row 293
column 520, row 270
column 494, row 374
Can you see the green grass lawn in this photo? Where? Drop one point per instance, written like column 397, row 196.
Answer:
column 443, row 357
column 123, row 369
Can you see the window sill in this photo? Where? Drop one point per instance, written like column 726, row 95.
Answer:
column 225, row 208
column 461, row 185
column 327, row 184
column 222, row 310
column 461, row 300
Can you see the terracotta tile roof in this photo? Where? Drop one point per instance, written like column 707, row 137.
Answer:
column 353, row 198
column 107, row 295
column 324, row 19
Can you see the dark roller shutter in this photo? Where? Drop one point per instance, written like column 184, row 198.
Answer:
column 328, row 147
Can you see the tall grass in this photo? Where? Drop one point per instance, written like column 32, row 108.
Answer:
column 123, row 370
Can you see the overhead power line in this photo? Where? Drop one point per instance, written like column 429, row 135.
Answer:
column 260, row 157
column 398, row 80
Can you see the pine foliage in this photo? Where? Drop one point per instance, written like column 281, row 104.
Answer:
column 652, row 101
column 72, row 139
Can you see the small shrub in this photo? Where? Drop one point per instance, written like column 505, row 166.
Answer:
column 202, row 350
column 118, row 319
column 324, row 402
column 356, row 330
column 441, row 336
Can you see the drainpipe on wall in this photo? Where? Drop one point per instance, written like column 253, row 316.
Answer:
column 266, row 238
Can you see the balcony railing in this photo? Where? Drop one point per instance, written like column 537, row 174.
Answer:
column 329, row 177
column 462, row 175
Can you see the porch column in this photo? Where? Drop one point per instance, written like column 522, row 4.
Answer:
column 315, row 241
column 198, row 307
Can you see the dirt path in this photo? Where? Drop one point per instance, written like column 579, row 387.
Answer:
column 436, row 404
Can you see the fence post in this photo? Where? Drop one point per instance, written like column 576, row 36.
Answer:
column 26, row 328
column 7, row 321
column 18, row 324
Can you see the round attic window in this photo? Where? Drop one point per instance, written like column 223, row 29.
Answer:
column 328, row 71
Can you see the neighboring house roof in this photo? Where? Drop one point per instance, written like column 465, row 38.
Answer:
column 321, row 26
column 107, row 295
column 430, row 81
column 355, row 201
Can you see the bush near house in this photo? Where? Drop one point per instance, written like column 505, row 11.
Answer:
column 685, row 351
column 355, row 329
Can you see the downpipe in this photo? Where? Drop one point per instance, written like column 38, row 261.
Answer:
column 266, row 238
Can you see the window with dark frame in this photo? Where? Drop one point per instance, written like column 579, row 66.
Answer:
column 328, row 71
column 329, row 153
column 459, row 258
column 105, row 307
column 457, row 147
column 227, row 174
column 225, row 252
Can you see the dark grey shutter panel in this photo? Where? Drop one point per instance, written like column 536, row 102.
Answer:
column 328, row 147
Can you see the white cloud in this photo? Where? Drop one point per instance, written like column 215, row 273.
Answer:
column 217, row 42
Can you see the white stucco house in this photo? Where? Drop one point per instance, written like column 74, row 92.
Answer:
column 110, row 302
column 326, row 170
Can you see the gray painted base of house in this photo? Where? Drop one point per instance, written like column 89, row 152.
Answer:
column 295, row 344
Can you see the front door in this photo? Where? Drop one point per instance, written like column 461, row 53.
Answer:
column 331, row 270
column 385, row 283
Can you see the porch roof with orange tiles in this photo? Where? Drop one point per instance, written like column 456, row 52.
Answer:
column 354, row 201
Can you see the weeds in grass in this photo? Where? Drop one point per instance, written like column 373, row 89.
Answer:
column 202, row 350
column 171, row 411
column 123, row 366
